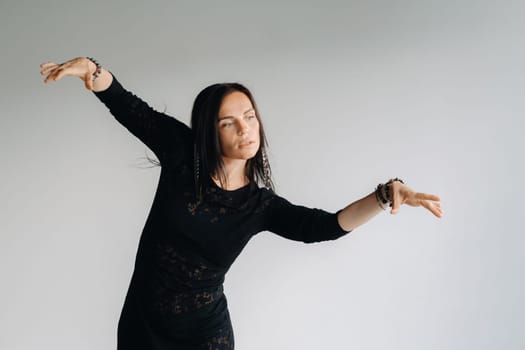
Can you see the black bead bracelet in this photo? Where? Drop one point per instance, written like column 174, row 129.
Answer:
column 388, row 192
column 379, row 196
column 98, row 70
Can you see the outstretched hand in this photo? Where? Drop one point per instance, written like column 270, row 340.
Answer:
column 402, row 194
column 80, row 67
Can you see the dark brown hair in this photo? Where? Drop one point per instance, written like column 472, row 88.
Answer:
column 204, row 123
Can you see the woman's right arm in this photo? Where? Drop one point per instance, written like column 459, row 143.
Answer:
column 163, row 134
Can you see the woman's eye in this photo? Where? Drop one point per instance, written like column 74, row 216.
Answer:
column 251, row 117
column 226, row 125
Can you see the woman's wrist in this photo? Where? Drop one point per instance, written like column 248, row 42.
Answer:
column 381, row 196
column 94, row 67
column 384, row 193
column 101, row 77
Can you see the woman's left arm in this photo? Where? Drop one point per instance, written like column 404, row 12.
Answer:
column 364, row 209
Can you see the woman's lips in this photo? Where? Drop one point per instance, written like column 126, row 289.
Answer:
column 246, row 144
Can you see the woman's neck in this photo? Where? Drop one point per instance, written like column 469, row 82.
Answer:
column 235, row 173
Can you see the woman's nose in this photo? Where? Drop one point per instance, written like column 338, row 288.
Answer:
column 243, row 127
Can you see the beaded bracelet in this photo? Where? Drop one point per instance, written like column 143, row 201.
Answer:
column 98, row 70
column 377, row 199
column 379, row 196
column 388, row 192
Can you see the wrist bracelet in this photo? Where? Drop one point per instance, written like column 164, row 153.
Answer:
column 381, row 200
column 98, row 70
column 388, row 192
column 388, row 189
column 379, row 196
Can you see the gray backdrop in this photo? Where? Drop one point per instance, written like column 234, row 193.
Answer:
column 351, row 93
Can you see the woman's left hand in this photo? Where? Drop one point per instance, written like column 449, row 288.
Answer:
column 402, row 194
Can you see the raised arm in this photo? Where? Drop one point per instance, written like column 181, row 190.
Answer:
column 163, row 134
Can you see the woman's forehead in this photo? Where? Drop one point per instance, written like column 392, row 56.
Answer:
column 235, row 104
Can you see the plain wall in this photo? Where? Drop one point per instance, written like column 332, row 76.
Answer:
column 352, row 93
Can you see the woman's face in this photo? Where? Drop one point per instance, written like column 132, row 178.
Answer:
column 238, row 127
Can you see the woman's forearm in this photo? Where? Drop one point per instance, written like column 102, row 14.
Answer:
column 359, row 212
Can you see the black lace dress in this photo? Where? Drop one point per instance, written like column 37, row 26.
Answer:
column 175, row 299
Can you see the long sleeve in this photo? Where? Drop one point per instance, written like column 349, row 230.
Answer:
column 162, row 133
column 300, row 223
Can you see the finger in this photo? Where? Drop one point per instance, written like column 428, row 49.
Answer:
column 48, row 78
column 88, row 81
column 59, row 74
column 47, row 70
column 51, row 72
column 434, row 210
column 48, row 64
column 396, row 201
column 51, row 76
column 427, row 196
column 437, row 212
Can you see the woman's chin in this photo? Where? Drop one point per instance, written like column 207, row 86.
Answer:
column 242, row 156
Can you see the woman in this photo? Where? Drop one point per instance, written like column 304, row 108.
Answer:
column 207, row 206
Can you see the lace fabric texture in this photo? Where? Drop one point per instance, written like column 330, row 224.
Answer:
column 167, row 302
column 181, row 290
column 218, row 203
column 222, row 341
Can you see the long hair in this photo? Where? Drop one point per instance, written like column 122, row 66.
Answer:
column 207, row 149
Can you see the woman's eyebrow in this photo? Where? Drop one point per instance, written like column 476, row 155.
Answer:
column 229, row 116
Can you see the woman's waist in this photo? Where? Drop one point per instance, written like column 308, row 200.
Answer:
column 171, row 298
column 183, row 314
column 174, row 302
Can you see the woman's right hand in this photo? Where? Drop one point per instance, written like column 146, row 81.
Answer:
column 79, row 67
